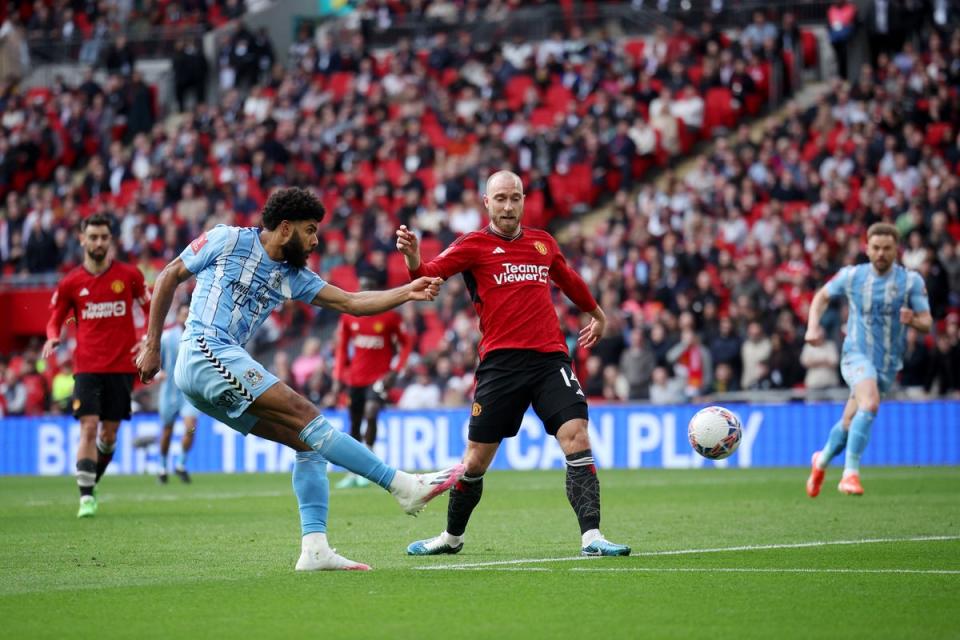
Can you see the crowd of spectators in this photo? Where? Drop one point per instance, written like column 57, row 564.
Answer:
column 705, row 280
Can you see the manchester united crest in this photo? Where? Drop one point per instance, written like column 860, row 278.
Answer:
column 477, row 409
column 117, row 286
column 378, row 327
column 539, row 246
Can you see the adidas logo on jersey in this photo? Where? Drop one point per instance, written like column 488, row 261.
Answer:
column 83, row 292
column 498, row 250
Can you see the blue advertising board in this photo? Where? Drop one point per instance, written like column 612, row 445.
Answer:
column 623, row 436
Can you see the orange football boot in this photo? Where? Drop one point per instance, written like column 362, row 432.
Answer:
column 850, row 485
column 815, row 481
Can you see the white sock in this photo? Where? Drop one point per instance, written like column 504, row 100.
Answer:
column 849, row 472
column 315, row 542
column 590, row 537
column 451, row 539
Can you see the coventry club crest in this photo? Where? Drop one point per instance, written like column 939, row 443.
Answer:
column 276, row 279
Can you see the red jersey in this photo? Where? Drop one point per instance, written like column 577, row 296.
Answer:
column 102, row 306
column 508, row 283
column 375, row 341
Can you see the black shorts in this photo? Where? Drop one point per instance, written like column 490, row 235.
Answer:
column 106, row 395
column 360, row 396
column 510, row 380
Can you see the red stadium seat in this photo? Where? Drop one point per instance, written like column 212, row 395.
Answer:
column 345, row 277
column 340, row 84
column 718, row 110
column 516, row 90
column 634, row 49
column 430, row 248
column 396, row 270
column 808, row 43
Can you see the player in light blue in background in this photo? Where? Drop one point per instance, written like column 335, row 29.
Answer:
column 883, row 300
column 171, row 403
column 242, row 275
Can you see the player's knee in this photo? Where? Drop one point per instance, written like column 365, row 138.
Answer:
column 573, row 436
column 870, row 403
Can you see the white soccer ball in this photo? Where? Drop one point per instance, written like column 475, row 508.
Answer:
column 714, row 432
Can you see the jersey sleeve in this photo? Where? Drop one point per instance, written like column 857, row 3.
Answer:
column 405, row 341
column 570, row 281
column 838, row 284
column 141, row 294
column 305, row 285
column 454, row 259
column 917, row 293
column 61, row 305
column 206, row 248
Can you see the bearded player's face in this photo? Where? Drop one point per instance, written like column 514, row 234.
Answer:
column 96, row 242
column 504, row 202
column 301, row 243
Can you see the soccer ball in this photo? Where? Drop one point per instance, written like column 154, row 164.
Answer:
column 714, row 432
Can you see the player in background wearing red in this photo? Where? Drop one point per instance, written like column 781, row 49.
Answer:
column 523, row 357
column 369, row 371
column 99, row 295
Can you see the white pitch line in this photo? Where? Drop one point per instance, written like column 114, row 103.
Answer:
column 160, row 496
column 757, row 570
column 680, row 552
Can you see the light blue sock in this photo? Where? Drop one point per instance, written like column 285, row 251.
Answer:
column 836, row 441
column 181, row 461
column 859, row 436
column 312, row 489
column 340, row 449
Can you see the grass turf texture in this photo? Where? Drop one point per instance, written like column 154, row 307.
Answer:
column 215, row 559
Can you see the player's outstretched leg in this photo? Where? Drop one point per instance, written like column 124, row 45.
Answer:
column 583, row 492
column 186, row 444
column 464, row 497
column 412, row 491
column 313, row 497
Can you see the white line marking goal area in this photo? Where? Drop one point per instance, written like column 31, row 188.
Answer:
column 504, row 564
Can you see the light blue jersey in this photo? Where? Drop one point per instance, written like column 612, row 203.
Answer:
column 238, row 285
column 875, row 335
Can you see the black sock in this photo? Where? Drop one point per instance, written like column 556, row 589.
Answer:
column 583, row 489
column 464, row 496
column 86, row 470
column 370, row 436
column 104, row 456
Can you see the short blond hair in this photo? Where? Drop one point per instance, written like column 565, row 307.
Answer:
column 883, row 229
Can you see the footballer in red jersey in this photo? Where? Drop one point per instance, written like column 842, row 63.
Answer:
column 371, row 352
column 99, row 296
column 524, row 361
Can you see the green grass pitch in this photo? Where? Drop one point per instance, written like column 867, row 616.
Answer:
column 215, row 559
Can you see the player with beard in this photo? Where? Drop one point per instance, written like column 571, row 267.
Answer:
column 523, row 357
column 242, row 275
column 99, row 295
column 883, row 300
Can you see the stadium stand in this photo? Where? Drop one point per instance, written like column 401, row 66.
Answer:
column 705, row 273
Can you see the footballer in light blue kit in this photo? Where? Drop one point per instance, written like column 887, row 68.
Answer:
column 883, row 299
column 242, row 275
column 171, row 404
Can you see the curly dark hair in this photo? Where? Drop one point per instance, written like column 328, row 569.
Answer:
column 292, row 203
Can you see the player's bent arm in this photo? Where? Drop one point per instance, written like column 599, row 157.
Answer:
column 922, row 321
column 368, row 303
column 169, row 279
column 818, row 306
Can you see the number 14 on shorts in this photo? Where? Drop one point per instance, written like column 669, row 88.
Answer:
column 571, row 377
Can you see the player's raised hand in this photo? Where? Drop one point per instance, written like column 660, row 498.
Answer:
column 148, row 363
column 814, row 335
column 407, row 242
column 425, row 289
column 49, row 347
column 591, row 333
column 906, row 315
